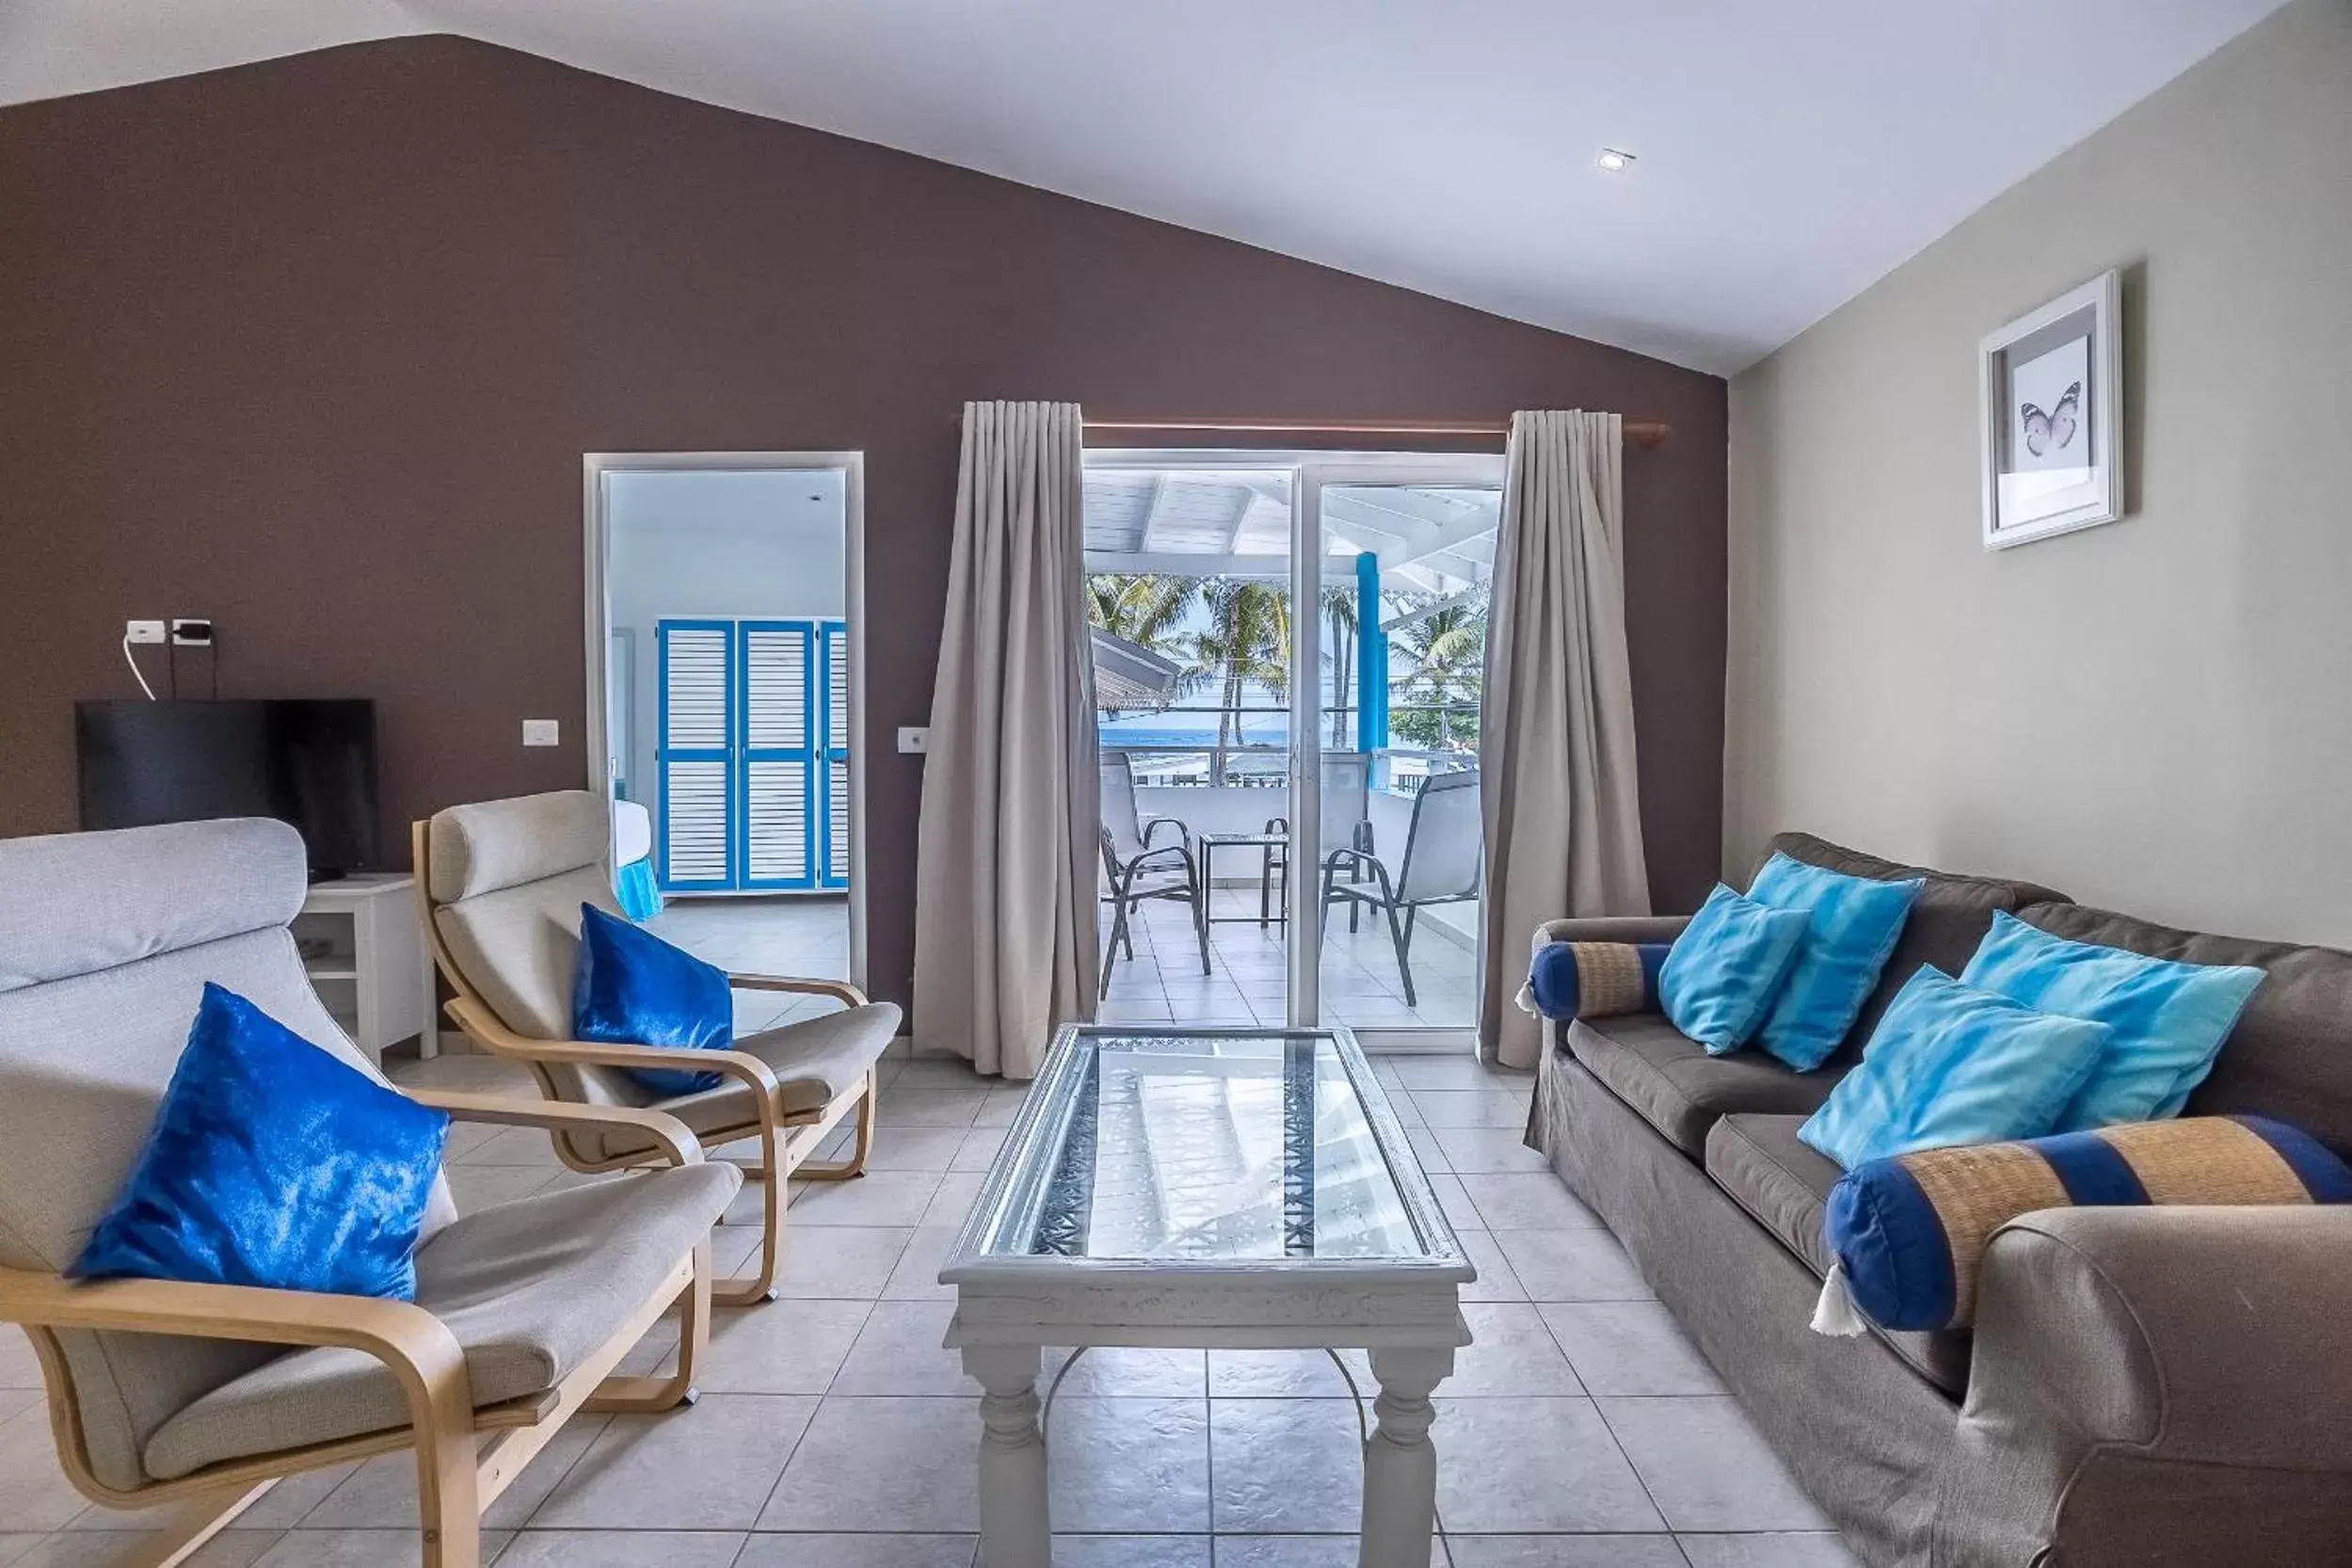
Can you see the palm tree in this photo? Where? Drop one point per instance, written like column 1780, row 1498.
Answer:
column 1141, row 609
column 1248, row 640
column 1340, row 611
column 1449, row 649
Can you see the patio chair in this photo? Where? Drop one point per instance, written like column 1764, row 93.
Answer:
column 1346, row 819
column 199, row 1398
column 502, row 885
column 1138, row 869
column 1443, row 863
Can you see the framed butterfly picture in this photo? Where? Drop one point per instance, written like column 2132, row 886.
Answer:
column 2051, row 386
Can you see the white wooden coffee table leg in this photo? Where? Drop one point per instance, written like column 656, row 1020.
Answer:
column 1399, row 1461
column 1016, row 1531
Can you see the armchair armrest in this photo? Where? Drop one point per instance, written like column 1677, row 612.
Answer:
column 840, row 990
column 1184, row 834
column 413, row 1345
column 745, row 1068
column 666, row 1131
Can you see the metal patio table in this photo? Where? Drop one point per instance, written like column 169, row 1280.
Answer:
column 1206, row 846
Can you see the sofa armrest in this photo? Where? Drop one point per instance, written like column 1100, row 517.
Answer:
column 1610, row 928
column 2209, row 1335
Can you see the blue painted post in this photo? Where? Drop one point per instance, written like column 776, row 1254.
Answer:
column 1372, row 658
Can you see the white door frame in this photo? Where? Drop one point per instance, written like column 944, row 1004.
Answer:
column 851, row 466
column 1310, row 471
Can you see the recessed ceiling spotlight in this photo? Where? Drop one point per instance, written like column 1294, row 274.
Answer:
column 1614, row 161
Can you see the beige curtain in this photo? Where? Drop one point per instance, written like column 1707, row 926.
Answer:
column 1004, row 885
column 1556, row 764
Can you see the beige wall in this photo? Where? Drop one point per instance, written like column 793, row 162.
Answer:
column 2154, row 716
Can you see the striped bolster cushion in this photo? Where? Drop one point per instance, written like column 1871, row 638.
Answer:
column 1594, row 980
column 1909, row 1232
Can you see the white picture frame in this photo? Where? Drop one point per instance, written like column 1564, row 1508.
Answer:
column 2050, row 398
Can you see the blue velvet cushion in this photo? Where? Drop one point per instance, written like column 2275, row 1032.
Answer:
column 632, row 988
column 1855, row 924
column 1723, row 971
column 2169, row 1019
column 1950, row 1065
column 272, row 1163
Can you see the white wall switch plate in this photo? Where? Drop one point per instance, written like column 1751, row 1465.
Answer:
column 538, row 732
column 143, row 630
column 914, row 739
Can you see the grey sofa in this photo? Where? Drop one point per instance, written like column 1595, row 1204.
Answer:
column 2143, row 1385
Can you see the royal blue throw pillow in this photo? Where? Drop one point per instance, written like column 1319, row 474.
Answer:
column 1723, row 971
column 2169, row 1019
column 272, row 1163
column 1855, row 921
column 1951, row 1064
column 632, row 988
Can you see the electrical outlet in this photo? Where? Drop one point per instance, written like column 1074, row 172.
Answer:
column 538, row 732
column 191, row 632
column 914, row 739
column 143, row 630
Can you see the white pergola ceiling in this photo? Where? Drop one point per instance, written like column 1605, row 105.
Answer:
column 1200, row 523
column 1789, row 154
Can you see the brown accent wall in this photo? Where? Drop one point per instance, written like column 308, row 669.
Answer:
column 314, row 348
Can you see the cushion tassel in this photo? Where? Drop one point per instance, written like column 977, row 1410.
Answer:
column 1525, row 999
column 1834, row 1313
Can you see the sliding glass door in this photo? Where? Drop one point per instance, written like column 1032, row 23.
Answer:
column 1288, row 656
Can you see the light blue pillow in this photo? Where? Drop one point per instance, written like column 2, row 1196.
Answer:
column 272, row 1163
column 1855, row 924
column 1951, row 1064
column 2169, row 1019
column 632, row 988
column 1723, row 972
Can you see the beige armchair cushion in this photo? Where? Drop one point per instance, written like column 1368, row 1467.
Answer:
column 505, row 843
column 529, row 1289
column 106, row 940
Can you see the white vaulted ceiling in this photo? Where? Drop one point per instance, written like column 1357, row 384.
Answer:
column 1790, row 152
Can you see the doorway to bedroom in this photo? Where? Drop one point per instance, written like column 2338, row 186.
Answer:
column 725, row 705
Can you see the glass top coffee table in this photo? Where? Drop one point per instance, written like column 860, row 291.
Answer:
column 1234, row 1188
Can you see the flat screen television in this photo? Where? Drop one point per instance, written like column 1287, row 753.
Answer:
column 304, row 761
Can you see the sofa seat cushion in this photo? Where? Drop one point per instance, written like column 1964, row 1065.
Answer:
column 1784, row 1186
column 530, row 1290
column 1678, row 1088
column 815, row 1060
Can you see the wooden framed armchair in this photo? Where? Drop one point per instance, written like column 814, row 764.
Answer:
column 202, row 1397
column 502, row 884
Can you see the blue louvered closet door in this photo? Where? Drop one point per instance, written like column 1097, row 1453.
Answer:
column 753, row 756
column 833, row 869
column 695, row 756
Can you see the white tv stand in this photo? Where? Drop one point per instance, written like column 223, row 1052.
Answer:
column 374, row 975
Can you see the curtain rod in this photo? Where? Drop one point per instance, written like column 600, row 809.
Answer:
column 1646, row 433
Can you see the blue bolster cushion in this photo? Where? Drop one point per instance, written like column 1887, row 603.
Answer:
column 1909, row 1232
column 1596, row 980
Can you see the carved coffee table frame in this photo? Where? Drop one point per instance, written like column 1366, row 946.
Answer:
column 1010, row 1303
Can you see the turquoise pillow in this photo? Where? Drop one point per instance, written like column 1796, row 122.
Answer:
column 1950, row 1065
column 272, row 1163
column 2169, row 1019
column 632, row 988
column 1855, row 921
column 1723, row 972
